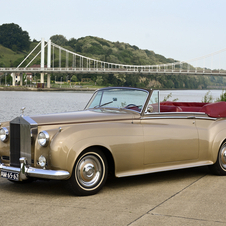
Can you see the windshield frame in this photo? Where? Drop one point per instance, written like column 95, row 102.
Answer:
column 149, row 92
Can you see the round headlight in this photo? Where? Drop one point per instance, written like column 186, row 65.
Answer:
column 42, row 161
column 4, row 134
column 43, row 138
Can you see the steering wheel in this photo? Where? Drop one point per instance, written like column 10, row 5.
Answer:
column 130, row 106
column 133, row 107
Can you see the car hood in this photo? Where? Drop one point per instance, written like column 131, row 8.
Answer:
column 85, row 116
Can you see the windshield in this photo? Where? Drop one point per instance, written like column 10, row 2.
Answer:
column 133, row 99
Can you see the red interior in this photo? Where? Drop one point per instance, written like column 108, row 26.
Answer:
column 215, row 110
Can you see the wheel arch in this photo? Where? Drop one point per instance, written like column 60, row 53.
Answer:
column 108, row 155
column 105, row 151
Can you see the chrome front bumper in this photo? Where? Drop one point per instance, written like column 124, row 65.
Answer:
column 26, row 171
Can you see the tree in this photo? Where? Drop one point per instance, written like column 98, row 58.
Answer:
column 72, row 42
column 13, row 37
column 74, row 78
column 99, row 80
column 59, row 40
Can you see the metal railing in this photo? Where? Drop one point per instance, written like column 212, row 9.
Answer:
column 136, row 70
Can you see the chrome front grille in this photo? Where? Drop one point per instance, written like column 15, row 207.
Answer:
column 14, row 144
column 21, row 140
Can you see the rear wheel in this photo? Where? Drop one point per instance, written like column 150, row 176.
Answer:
column 89, row 173
column 219, row 167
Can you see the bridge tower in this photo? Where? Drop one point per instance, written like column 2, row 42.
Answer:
column 49, row 62
column 43, row 61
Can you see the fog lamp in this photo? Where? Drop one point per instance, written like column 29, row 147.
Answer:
column 4, row 134
column 42, row 161
column 43, row 138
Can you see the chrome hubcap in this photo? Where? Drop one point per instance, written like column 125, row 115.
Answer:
column 222, row 158
column 89, row 171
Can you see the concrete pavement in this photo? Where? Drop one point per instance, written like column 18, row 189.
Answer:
column 182, row 197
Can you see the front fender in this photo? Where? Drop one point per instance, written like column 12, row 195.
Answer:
column 72, row 140
column 66, row 147
column 123, row 139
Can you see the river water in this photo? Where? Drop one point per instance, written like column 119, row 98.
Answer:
column 51, row 102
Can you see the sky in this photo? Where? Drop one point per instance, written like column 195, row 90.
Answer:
column 178, row 29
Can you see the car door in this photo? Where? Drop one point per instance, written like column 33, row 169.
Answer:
column 169, row 138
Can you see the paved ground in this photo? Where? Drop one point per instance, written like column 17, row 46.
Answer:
column 183, row 197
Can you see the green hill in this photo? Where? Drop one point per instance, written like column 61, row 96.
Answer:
column 115, row 52
column 94, row 47
column 10, row 58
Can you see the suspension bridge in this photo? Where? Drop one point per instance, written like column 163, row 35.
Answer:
column 78, row 64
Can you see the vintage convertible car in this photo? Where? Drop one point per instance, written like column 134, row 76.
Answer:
column 124, row 131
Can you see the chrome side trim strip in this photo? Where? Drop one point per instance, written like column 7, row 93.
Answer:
column 177, row 117
column 207, row 118
column 175, row 112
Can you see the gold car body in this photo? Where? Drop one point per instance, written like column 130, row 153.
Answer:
column 134, row 142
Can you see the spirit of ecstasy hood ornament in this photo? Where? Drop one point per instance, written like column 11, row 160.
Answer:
column 22, row 111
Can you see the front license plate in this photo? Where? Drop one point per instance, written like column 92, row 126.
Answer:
column 10, row 175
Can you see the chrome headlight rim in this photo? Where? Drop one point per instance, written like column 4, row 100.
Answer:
column 4, row 137
column 43, row 138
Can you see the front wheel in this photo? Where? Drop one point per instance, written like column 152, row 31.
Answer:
column 89, row 173
column 219, row 167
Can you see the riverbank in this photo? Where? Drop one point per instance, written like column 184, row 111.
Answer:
column 23, row 88
column 80, row 88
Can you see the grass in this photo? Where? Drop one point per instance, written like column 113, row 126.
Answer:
column 7, row 56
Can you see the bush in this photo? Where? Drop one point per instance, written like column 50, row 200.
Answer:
column 222, row 96
column 208, row 98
